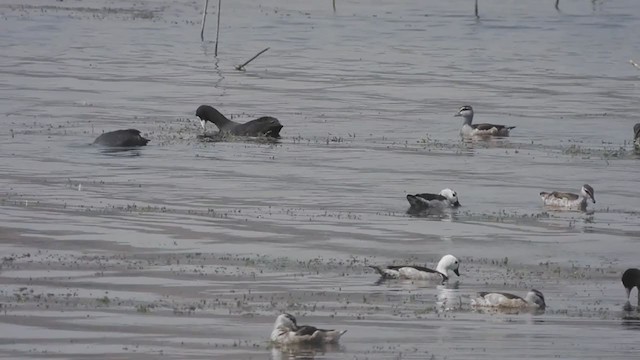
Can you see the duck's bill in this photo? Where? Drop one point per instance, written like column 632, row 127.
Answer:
column 457, row 204
column 456, row 272
column 457, row 114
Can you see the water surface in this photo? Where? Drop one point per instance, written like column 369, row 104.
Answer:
column 189, row 249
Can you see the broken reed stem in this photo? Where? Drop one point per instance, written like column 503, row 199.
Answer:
column 218, row 29
column 477, row 9
column 241, row 67
column 334, row 5
column 204, row 19
column 635, row 65
column 558, row 5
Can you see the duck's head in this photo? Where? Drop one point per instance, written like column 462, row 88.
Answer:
column 451, row 196
column 209, row 113
column 535, row 297
column 448, row 262
column 636, row 131
column 203, row 115
column 466, row 112
column 588, row 192
column 287, row 321
column 631, row 279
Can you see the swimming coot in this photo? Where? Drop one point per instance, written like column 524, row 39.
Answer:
column 121, row 138
column 264, row 126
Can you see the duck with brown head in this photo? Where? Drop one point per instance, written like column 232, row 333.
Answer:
column 569, row 201
column 286, row 331
column 480, row 130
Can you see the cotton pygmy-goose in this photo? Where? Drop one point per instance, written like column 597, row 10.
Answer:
column 286, row 331
column 533, row 299
column 468, row 129
column 569, row 200
column 440, row 274
column 423, row 202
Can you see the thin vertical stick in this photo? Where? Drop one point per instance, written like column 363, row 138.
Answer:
column 334, row 5
column 558, row 5
column 204, row 19
column 477, row 9
column 218, row 30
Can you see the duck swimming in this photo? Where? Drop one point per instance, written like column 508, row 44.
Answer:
column 440, row 274
column 631, row 279
column 569, row 200
column 286, row 331
column 469, row 130
column 121, row 138
column 425, row 201
column 534, row 299
column 264, row 126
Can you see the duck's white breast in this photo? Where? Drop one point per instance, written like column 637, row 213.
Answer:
column 437, row 203
column 290, row 337
column 415, row 274
column 467, row 130
column 490, row 132
column 279, row 336
column 562, row 202
column 495, row 299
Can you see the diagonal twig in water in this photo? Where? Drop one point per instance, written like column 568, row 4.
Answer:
column 558, row 5
column 218, row 30
column 204, row 19
column 241, row 67
column 477, row 9
column 635, row 65
column 334, row 5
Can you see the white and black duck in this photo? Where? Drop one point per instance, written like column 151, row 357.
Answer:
column 448, row 263
column 446, row 198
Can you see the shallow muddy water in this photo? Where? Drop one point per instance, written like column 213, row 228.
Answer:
column 189, row 248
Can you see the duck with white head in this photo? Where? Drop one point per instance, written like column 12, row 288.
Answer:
column 448, row 263
column 445, row 199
